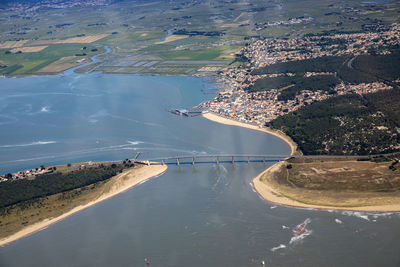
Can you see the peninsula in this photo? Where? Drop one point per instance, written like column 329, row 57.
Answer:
column 25, row 218
column 339, row 183
column 332, row 184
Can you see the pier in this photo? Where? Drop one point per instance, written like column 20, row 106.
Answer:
column 186, row 112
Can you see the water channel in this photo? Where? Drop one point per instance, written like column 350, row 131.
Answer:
column 205, row 215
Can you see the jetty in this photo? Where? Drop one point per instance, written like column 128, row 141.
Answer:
column 186, row 112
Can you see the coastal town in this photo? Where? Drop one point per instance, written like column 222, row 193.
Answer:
column 295, row 149
column 270, row 51
column 57, row 4
column 27, row 174
column 260, row 107
column 34, row 172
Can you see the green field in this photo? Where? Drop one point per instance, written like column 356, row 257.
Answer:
column 215, row 53
column 138, row 26
column 25, row 63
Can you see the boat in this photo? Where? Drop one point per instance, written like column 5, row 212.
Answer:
column 301, row 228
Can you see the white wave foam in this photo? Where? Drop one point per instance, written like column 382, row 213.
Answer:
column 358, row 214
column 383, row 214
column 30, row 144
column 338, row 221
column 135, row 142
column 30, row 159
column 142, row 182
column 44, row 109
column 298, row 238
column 278, row 247
column 44, row 228
column 252, row 187
column 285, row 227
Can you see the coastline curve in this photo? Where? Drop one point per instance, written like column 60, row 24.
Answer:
column 271, row 194
column 117, row 184
column 219, row 119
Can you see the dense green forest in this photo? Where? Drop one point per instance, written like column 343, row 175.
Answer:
column 386, row 67
column 321, row 64
column 348, row 124
column 349, row 69
column 296, row 84
column 12, row 192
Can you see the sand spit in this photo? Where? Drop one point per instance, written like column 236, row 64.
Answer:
column 114, row 186
column 272, row 192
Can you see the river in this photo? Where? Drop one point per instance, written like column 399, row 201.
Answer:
column 205, row 215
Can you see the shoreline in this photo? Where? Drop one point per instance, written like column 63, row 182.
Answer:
column 118, row 184
column 217, row 118
column 270, row 194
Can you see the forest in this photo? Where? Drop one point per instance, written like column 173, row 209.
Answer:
column 321, row 64
column 296, row 84
column 349, row 69
column 13, row 192
column 346, row 125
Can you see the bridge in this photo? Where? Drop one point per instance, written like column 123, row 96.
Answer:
column 241, row 158
column 212, row 159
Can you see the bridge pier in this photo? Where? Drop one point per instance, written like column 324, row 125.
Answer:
column 214, row 159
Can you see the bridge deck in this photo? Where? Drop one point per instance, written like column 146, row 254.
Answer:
column 212, row 159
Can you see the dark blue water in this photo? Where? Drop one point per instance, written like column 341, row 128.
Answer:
column 201, row 216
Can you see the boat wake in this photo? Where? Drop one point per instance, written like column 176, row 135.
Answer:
column 29, row 144
column 297, row 238
column 338, row 221
column 278, row 247
column 300, row 232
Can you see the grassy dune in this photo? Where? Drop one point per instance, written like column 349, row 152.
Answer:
column 329, row 183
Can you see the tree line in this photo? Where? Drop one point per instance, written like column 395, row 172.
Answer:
column 13, row 192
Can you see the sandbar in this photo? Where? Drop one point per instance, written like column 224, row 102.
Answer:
column 117, row 184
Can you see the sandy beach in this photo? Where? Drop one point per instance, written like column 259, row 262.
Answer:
column 114, row 186
column 214, row 117
column 271, row 193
